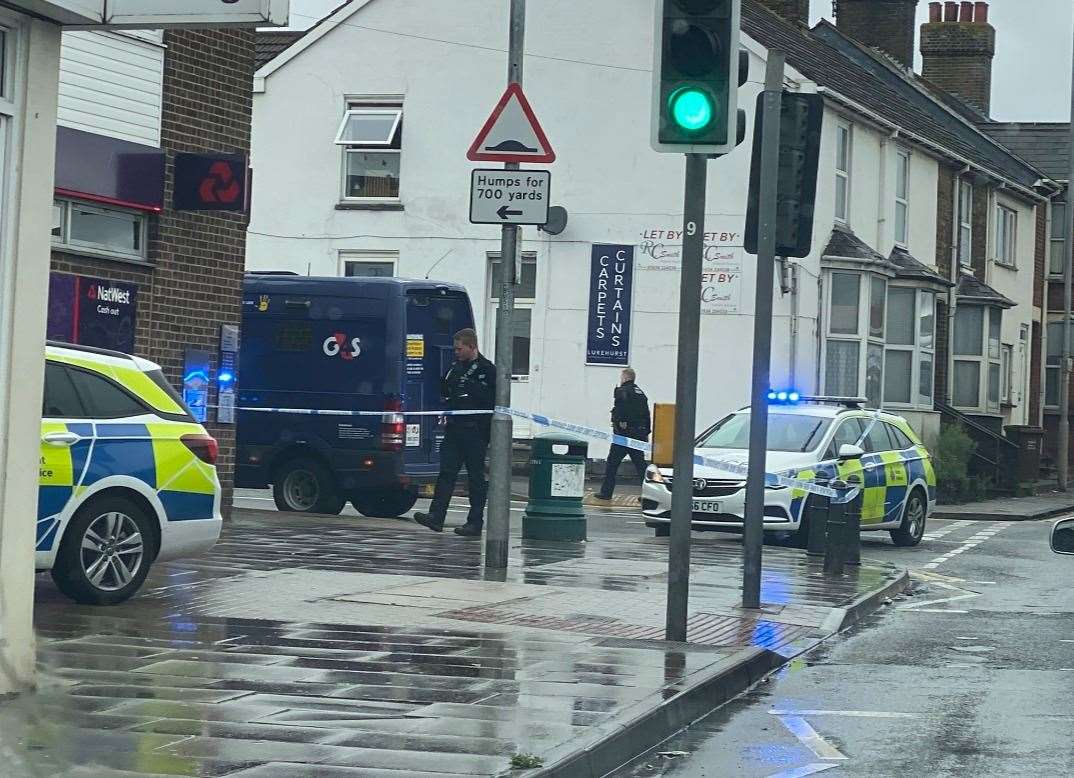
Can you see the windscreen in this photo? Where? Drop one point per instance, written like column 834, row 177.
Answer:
column 786, row 432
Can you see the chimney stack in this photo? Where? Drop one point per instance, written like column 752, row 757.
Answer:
column 791, row 10
column 957, row 51
column 887, row 25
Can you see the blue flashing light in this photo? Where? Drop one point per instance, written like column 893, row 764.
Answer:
column 793, row 397
column 771, row 395
column 784, row 396
column 225, row 378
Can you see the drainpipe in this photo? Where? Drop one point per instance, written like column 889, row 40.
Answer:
column 881, row 194
column 819, row 326
column 791, row 282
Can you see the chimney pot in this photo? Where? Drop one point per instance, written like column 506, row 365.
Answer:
column 935, row 12
column 966, row 12
column 950, row 11
column 980, row 13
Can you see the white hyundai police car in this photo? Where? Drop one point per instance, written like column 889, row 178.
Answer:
column 833, row 437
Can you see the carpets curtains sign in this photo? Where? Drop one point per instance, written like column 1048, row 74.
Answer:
column 611, row 289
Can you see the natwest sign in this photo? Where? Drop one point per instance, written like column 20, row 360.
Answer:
column 135, row 14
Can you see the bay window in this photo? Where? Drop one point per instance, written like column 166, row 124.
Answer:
column 977, row 368
column 908, row 359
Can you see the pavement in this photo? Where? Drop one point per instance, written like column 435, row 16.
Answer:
column 325, row 646
column 1041, row 506
column 969, row 672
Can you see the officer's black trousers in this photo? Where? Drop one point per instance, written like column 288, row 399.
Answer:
column 464, row 446
column 615, row 458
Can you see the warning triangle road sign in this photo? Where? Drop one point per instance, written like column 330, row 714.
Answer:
column 512, row 133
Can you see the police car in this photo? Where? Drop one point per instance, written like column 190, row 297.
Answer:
column 834, row 437
column 127, row 476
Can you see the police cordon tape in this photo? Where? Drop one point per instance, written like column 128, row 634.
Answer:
column 737, row 468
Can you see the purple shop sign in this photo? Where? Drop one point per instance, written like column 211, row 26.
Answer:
column 611, row 292
column 92, row 312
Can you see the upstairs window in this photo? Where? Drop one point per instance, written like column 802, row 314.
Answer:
column 965, row 223
column 1006, row 236
column 902, row 198
column 370, row 135
column 842, row 173
column 1057, row 245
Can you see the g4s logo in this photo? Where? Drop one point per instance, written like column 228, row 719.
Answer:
column 338, row 345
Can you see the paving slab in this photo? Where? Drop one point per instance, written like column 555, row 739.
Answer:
column 312, row 646
column 1041, row 506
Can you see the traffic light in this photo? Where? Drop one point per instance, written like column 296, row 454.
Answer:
column 696, row 74
column 801, row 117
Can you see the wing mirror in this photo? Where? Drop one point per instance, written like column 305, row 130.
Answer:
column 849, row 451
column 1063, row 537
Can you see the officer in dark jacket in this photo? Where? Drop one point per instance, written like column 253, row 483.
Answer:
column 469, row 385
column 630, row 418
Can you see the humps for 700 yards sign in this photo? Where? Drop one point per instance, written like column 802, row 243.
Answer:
column 509, row 196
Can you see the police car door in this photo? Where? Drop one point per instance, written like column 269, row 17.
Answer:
column 66, row 436
column 885, row 477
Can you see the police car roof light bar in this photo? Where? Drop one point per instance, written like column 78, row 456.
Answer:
column 849, row 402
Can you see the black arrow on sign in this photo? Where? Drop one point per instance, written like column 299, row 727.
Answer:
column 504, row 212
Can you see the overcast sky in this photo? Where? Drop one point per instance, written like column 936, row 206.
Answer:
column 1031, row 76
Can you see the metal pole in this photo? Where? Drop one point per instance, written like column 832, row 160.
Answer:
column 753, row 535
column 498, row 533
column 1064, row 369
column 682, row 492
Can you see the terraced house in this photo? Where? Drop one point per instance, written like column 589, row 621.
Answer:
column 923, row 292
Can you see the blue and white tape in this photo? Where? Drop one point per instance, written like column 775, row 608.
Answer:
column 736, row 468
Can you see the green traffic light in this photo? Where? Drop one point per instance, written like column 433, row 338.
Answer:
column 691, row 109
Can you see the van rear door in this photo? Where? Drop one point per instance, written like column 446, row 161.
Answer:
column 433, row 317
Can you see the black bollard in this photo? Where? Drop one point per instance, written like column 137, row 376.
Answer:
column 817, row 508
column 835, row 548
column 853, row 521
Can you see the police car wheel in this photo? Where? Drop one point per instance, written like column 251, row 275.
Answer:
column 105, row 553
column 385, row 503
column 912, row 528
column 306, row 486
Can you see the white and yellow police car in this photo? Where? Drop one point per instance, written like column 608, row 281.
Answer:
column 833, row 437
column 127, row 475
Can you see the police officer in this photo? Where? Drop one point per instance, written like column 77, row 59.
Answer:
column 630, row 418
column 470, row 384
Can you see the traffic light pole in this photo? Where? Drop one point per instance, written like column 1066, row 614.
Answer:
column 682, row 491
column 498, row 532
column 753, row 536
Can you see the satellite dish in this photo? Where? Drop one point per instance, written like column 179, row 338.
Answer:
column 557, row 220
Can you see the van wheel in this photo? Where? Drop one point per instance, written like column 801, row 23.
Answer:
column 105, row 553
column 912, row 528
column 385, row 503
column 304, row 485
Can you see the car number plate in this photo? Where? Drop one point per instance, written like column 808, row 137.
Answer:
column 706, row 506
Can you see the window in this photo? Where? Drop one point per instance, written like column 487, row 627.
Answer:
column 902, row 197
column 898, row 438
column 371, row 137
column 786, row 432
column 874, row 374
column 847, row 433
column 845, row 296
column 97, row 230
column 61, row 401
column 842, row 173
column 1053, row 362
column 843, row 357
column 841, row 368
column 1057, row 246
column 103, row 399
column 363, row 264
column 977, row 358
column 899, row 357
column 1006, row 236
column 965, row 223
column 522, row 321
column 876, row 307
column 877, row 440
column 1006, row 389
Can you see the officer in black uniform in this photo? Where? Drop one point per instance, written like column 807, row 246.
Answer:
column 630, row 418
column 470, row 384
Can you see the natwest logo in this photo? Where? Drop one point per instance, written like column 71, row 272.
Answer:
column 338, row 345
column 109, row 294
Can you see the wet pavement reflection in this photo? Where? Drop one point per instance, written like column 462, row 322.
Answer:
column 320, row 646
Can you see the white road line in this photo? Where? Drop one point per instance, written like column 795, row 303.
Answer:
column 942, row 531
column 917, row 605
column 864, row 714
column 800, row 728
column 800, row 772
column 972, row 543
column 937, row 610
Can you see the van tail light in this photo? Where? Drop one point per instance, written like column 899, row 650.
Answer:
column 392, row 426
column 204, row 447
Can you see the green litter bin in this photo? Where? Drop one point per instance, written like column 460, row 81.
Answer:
column 557, row 486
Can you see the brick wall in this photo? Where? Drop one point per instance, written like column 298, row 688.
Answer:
column 940, row 367
column 957, row 57
column 193, row 284
column 888, row 25
column 945, row 219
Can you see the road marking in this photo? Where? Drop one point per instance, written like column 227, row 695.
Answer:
column 915, row 606
column 810, row 738
column 937, row 610
column 865, row 714
column 936, row 534
column 800, row 772
column 973, row 542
